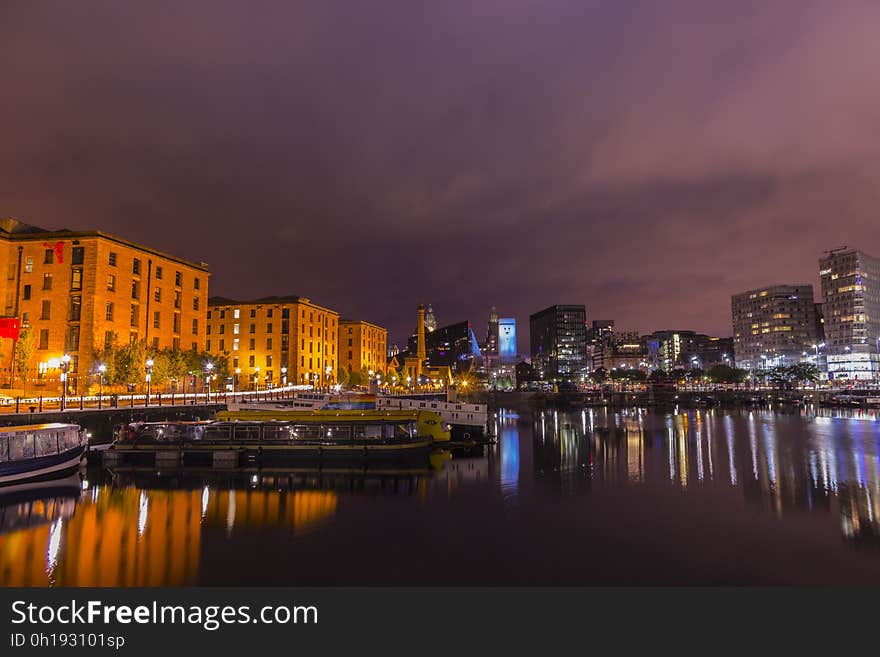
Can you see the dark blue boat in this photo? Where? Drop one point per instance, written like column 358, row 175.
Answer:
column 39, row 451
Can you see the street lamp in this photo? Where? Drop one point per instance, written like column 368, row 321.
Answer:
column 65, row 366
column 257, row 378
column 284, row 376
column 101, row 369
column 329, row 371
column 149, row 368
column 210, row 367
column 234, row 379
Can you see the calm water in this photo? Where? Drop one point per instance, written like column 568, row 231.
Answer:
column 595, row 497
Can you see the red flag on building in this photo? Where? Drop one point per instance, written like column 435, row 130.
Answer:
column 9, row 328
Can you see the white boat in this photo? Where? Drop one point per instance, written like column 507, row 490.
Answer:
column 36, row 451
column 454, row 413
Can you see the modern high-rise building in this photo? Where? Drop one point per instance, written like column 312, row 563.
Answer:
column 77, row 292
column 559, row 342
column 851, row 310
column 491, row 348
column 362, row 346
column 599, row 336
column 774, row 326
column 274, row 340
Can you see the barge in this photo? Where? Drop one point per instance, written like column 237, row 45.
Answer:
column 315, row 438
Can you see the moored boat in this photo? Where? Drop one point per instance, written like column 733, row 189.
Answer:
column 39, row 451
column 426, row 423
column 311, row 437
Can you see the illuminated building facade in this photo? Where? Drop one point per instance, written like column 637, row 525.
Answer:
column 507, row 339
column 362, row 346
column 274, row 340
column 491, row 348
column 599, row 336
column 452, row 347
column 851, row 311
column 78, row 291
column 559, row 343
column 622, row 350
column 774, row 326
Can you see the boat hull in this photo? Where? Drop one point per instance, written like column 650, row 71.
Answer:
column 43, row 467
column 261, row 454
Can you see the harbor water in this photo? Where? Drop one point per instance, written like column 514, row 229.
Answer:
column 584, row 497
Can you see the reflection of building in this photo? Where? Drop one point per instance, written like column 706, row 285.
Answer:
column 362, row 346
column 263, row 336
column 131, row 537
column 77, row 291
column 773, row 326
column 851, row 310
column 558, row 342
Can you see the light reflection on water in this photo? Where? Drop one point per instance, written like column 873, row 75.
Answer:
column 140, row 529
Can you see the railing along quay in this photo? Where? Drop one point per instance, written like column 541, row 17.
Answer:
column 67, row 404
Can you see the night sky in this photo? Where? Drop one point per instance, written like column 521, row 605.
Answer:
column 647, row 159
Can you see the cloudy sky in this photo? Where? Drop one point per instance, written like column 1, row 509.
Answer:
column 645, row 158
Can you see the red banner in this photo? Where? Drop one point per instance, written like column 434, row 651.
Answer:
column 59, row 250
column 9, row 328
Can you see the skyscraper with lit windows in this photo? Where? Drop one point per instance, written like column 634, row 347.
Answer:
column 851, row 309
column 773, row 326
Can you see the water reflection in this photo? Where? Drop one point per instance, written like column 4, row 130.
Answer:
column 144, row 528
column 828, row 461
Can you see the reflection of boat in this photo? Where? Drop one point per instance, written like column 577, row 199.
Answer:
column 38, row 502
column 36, row 451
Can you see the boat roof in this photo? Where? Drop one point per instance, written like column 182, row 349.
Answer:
column 320, row 416
column 38, row 427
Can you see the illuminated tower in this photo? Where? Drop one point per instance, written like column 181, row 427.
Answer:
column 430, row 320
column 421, row 352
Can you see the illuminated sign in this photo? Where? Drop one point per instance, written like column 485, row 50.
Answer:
column 507, row 337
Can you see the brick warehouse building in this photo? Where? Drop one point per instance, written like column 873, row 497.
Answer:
column 363, row 346
column 74, row 290
column 274, row 340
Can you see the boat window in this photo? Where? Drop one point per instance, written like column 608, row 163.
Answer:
column 176, row 432
column 21, row 446
column 389, row 430
column 337, row 432
column 218, row 432
column 47, row 443
column 152, row 432
column 306, row 432
column 4, row 448
column 367, row 431
column 276, row 432
column 73, row 438
column 247, row 432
